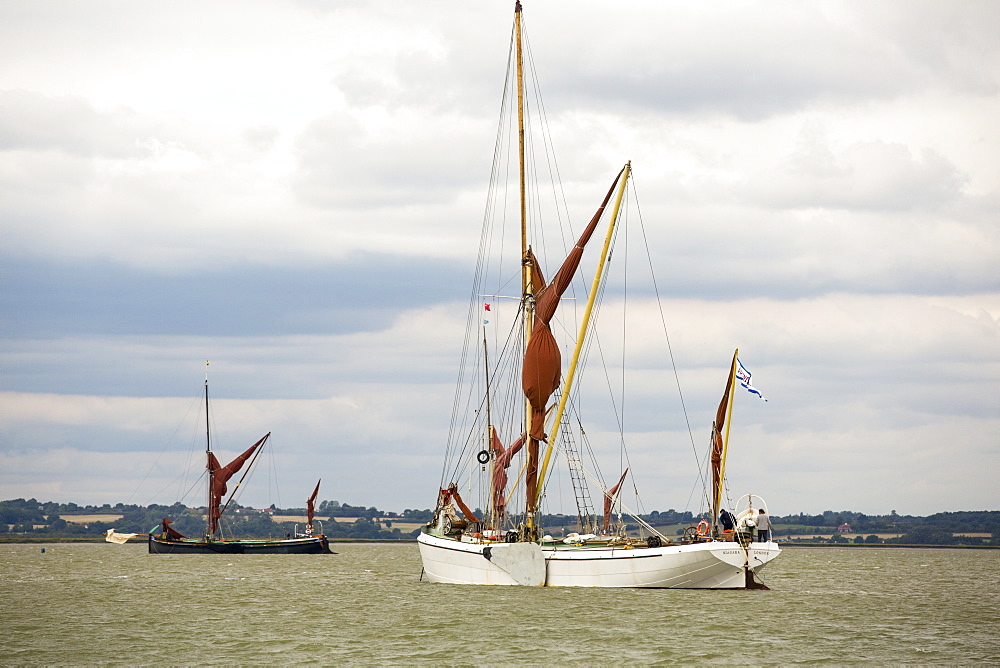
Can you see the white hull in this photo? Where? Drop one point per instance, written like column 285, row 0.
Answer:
column 710, row 565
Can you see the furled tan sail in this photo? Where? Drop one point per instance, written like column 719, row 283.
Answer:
column 542, row 360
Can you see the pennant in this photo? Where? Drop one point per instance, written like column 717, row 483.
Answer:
column 743, row 376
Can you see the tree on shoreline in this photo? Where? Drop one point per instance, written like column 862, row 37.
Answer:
column 48, row 519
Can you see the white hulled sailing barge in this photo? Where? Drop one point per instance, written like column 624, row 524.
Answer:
column 501, row 546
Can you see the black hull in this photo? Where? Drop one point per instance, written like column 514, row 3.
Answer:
column 311, row 545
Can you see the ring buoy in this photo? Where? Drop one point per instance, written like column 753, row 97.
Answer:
column 483, row 456
column 703, row 527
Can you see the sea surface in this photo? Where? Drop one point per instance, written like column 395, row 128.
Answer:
column 79, row 604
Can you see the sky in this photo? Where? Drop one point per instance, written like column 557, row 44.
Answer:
column 293, row 191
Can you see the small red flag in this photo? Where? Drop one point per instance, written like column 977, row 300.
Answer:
column 486, row 306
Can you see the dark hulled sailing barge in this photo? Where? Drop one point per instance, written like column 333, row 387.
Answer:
column 170, row 541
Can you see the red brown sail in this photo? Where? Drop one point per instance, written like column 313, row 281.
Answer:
column 501, row 462
column 311, row 505
column 542, row 360
column 717, row 445
column 609, row 499
column 219, row 476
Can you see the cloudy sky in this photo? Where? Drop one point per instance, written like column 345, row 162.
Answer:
column 293, row 190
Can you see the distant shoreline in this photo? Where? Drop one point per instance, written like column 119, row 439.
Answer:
column 892, row 546
column 21, row 540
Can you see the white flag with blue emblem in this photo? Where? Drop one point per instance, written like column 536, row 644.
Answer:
column 743, row 376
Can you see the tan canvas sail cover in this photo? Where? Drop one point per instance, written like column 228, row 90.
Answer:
column 118, row 538
column 542, row 360
column 218, row 477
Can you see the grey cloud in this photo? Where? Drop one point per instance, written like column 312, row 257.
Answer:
column 361, row 293
column 856, row 272
column 866, row 176
column 343, row 165
column 736, row 61
column 746, row 62
column 36, row 122
column 954, row 44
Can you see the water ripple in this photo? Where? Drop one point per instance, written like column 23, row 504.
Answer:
column 116, row 605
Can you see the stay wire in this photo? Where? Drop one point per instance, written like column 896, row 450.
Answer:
column 481, row 266
column 666, row 334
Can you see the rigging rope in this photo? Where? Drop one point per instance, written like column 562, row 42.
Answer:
column 666, row 334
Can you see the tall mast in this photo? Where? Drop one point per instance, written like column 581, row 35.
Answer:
column 208, row 459
column 527, row 287
column 525, row 272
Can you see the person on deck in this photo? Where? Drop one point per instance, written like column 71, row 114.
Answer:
column 727, row 520
column 763, row 526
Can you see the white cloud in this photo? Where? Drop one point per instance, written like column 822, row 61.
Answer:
column 817, row 182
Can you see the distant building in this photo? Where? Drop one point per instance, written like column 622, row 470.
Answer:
column 844, row 528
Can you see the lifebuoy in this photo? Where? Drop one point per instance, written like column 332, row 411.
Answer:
column 703, row 527
column 483, row 456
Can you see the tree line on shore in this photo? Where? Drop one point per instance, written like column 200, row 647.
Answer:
column 32, row 518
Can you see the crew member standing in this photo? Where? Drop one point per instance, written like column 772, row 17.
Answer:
column 727, row 520
column 763, row 526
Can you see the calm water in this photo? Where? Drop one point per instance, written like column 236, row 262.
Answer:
column 109, row 604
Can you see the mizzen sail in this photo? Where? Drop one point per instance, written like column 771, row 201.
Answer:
column 718, row 452
column 311, row 505
column 610, row 497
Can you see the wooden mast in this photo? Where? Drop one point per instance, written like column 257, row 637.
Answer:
column 208, row 462
column 527, row 285
column 525, row 271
